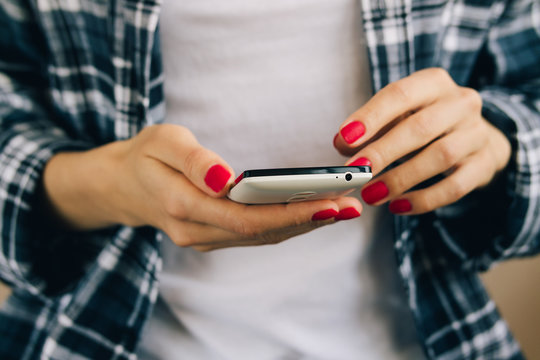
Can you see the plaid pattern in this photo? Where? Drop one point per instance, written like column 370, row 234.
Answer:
column 75, row 74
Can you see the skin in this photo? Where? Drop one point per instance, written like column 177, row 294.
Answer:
column 431, row 126
column 157, row 178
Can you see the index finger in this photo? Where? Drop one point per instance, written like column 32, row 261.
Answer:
column 408, row 94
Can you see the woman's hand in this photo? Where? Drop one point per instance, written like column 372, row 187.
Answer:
column 164, row 178
column 431, row 126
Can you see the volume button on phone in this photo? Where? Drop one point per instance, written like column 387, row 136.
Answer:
column 305, row 193
column 301, row 196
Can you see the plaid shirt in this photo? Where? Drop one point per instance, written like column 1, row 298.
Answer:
column 75, row 74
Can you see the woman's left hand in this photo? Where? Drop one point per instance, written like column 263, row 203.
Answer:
column 431, row 126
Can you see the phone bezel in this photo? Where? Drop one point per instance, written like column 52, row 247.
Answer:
column 306, row 171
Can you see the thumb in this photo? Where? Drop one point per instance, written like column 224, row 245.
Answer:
column 178, row 148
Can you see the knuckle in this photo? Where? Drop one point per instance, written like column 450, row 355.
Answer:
column 192, row 158
column 174, row 208
column 397, row 185
column 422, row 126
column 180, row 238
column 175, row 131
column 245, row 228
column 154, row 135
column 186, row 242
column 457, row 188
column 377, row 155
column 370, row 113
column 204, row 249
column 448, row 153
column 145, row 138
column 441, row 74
column 471, row 97
column 297, row 219
column 163, row 131
column 397, row 90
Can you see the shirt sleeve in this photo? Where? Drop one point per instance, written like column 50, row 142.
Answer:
column 33, row 254
column 502, row 221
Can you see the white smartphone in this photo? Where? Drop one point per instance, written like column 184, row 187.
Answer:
column 268, row 186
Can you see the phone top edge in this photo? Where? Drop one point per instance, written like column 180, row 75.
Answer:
column 306, row 170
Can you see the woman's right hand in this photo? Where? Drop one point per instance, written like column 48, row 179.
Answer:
column 164, row 178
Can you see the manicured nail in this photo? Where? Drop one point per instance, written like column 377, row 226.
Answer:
column 324, row 215
column 400, row 206
column 360, row 162
column 347, row 214
column 217, row 177
column 375, row 192
column 353, row 131
column 239, row 178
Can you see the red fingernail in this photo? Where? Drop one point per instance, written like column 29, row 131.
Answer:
column 348, row 213
column 239, row 178
column 375, row 192
column 353, row 131
column 400, row 206
column 324, row 214
column 361, row 162
column 217, row 177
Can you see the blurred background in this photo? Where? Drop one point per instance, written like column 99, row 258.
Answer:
column 514, row 287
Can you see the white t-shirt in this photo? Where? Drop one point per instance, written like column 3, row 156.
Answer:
column 267, row 84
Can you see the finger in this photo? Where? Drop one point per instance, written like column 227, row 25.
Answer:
column 205, row 236
column 346, row 150
column 190, row 234
column 236, row 217
column 178, row 148
column 228, row 239
column 252, row 220
column 438, row 157
column 418, row 130
column 476, row 171
column 349, row 208
column 405, row 95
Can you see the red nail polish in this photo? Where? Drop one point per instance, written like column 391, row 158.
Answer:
column 400, row 206
column 324, row 215
column 347, row 214
column 353, row 131
column 375, row 192
column 216, row 178
column 361, row 162
column 239, row 178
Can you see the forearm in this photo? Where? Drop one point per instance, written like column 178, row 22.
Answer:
column 80, row 188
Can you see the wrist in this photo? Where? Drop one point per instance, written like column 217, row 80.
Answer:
column 80, row 187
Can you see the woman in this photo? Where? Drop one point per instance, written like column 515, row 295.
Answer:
column 77, row 102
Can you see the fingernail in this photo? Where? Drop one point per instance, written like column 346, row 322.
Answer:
column 353, row 131
column 400, row 206
column 239, row 178
column 324, row 214
column 335, row 139
column 375, row 192
column 217, row 177
column 360, row 162
column 347, row 214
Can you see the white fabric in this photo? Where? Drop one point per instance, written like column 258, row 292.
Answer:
column 266, row 84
